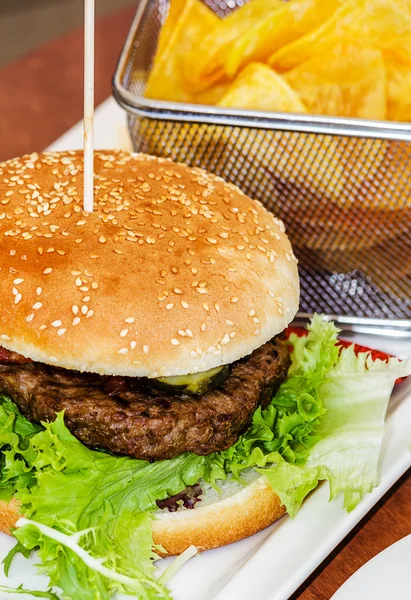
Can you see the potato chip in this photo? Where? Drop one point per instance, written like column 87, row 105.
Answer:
column 213, row 95
column 258, row 87
column 399, row 91
column 166, row 31
column 205, row 64
column 373, row 23
column 351, row 82
column 166, row 80
column 277, row 29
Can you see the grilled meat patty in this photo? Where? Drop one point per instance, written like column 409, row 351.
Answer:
column 127, row 416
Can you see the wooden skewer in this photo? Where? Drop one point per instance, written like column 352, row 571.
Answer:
column 89, row 26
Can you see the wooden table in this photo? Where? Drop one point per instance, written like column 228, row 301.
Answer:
column 41, row 97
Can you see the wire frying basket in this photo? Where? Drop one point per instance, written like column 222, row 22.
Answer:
column 342, row 186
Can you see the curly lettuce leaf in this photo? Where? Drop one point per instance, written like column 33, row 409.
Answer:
column 29, row 593
column 355, row 395
column 16, row 454
column 61, row 484
column 289, row 426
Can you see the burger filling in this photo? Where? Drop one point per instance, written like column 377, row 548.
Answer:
column 149, row 419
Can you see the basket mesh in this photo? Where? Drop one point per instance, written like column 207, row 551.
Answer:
column 346, row 201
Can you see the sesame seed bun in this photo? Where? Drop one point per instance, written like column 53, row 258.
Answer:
column 227, row 520
column 174, row 272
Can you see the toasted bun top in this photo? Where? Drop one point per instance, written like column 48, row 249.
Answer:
column 174, row 272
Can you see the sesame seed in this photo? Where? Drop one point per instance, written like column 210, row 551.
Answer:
column 17, row 298
column 225, row 340
column 252, row 312
column 189, row 333
column 123, row 351
column 133, row 344
column 181, row 332
column 145, row 349
column 123, row 333
column 56, row 323
column 234, row 299
column 5, row 337
column 84, row 309
column 102, row 240
column 175, row 342
column 203, row 326
column 184, row 304
column 89, row 314
column 30, row 317
column 61, row 332
column 177, row 291
column 37, row 305
column 228, row 322
column 129, row 320
column 18, row 281
column 47, row 271
column 169, row 306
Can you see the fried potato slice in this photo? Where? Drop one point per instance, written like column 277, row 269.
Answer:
column 351, row 82
column 399, row 91
column 166, row 31
column 205, row 63
column 191, row 23
column 213, row 95
column 258, row 87
column 263, row 37
column 373, row 23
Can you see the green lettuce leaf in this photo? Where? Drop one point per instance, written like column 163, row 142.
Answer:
column 289, row 426
column 355, row 395
column 63, row 485
column 29, row 593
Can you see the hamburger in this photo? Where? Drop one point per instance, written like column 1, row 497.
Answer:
column 149, row 399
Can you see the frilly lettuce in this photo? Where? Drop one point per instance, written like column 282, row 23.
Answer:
column 288, row 427
column 61, row 484
column 354, row 395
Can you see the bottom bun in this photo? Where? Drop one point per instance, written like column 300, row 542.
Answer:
column 9, row 515
column 222, row 522
column 218, row 523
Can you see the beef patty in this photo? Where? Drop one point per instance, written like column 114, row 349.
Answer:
column 127, row 416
